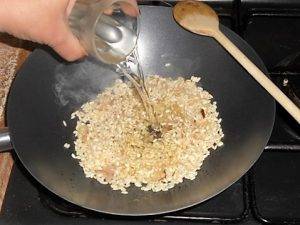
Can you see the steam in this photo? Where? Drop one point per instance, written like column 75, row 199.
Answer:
column 78, row 83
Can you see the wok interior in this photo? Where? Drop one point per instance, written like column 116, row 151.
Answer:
column 47, row 90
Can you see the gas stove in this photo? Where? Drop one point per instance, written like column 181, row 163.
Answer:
column 268, row 193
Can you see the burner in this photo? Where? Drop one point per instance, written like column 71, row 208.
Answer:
column 290, row 85
column 275, row 188
column 292, row 88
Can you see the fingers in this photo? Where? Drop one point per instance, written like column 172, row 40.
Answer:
column 67, row 45
column 130, row 9
column 70, row 6
column 108, row 11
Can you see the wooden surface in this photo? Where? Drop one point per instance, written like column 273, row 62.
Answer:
column 12, row 55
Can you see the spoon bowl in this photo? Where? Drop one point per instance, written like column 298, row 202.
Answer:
column 196, row 17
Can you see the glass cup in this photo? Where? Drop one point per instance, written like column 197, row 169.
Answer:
column 104, row 30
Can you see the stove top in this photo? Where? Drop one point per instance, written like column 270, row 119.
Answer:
column 268, row 193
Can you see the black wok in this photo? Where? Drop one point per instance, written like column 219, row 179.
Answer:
column 47, row 90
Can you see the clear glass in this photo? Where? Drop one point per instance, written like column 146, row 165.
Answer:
column 104, row 30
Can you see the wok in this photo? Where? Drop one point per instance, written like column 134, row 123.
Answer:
column 47, row 90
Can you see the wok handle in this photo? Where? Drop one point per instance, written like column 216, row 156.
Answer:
column 5, row 143
column 258, row 75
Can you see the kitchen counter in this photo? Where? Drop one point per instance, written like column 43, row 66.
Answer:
column 12, row 55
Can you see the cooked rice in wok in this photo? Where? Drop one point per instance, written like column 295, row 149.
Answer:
column 116, row 146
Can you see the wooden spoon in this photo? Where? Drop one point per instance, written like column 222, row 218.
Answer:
column 199, row 18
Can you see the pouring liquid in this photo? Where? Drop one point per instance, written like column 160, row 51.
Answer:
column 138, row 81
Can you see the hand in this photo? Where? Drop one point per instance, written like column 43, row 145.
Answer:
column 45, row 22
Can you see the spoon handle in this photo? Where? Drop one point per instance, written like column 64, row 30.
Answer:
column 258, row 75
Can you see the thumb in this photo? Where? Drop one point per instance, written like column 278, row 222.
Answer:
column 67, row 45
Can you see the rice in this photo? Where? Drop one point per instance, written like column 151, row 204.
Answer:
column 114, row 145
column 67, row 145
